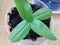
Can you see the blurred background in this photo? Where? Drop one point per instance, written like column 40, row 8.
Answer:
column 54, row 5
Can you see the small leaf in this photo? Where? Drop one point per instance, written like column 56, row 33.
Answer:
column 42, row 14
column 24, row 9
column 41, row 29
column 19, row 32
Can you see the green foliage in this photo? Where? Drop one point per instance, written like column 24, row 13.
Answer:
column 42, row 14
column 41, row 29
column 20, row 31
column 31, row 20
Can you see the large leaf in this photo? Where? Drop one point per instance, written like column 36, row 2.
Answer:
column 24, row 9
column 42, row 14
column 41, row 29
column 19, row 32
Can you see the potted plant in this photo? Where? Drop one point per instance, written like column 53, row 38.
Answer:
column 30, row 21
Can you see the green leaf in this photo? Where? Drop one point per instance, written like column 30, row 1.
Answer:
column 41, row 29
column 24, row 9
column 42, row 14
column 19, row 32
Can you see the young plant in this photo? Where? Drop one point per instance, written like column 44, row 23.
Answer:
column 31, row 21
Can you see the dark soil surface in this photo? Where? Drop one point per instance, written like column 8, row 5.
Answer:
column 15, row 19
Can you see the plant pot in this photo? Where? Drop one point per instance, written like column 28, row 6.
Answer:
column 39, row 40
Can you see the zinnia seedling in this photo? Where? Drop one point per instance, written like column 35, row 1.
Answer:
column 31, row 21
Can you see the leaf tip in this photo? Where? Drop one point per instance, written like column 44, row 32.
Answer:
column 54, row 38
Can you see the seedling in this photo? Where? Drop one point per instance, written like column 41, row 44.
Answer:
column 31, row 21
